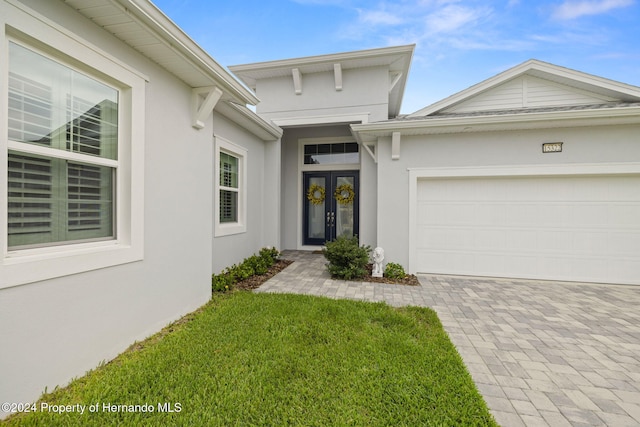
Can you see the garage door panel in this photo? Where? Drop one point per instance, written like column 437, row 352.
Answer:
column 583, row 228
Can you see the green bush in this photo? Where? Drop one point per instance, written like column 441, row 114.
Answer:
column 347, row 260
column 258, row 264
column 254, row 265
column 221, row 282
column 269, row 254
column 394, row 271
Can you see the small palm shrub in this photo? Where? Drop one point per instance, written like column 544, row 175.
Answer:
column 394, row 271
column 347, row 259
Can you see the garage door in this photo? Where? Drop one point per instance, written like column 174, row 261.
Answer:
column 576, row 228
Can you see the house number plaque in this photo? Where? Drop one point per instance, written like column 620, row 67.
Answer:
column 552, row 147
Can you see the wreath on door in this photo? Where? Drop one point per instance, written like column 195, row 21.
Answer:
column 316, row 194
column 344, row 194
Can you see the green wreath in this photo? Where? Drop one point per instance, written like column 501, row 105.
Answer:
column 344, row 194
column 311, row 194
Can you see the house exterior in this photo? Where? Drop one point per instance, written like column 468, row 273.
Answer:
column 115, row 127
column 135, row 170
column 534, row 173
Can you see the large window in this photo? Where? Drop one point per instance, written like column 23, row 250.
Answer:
column 230, row 188
column 62, row 159
column 72, row 135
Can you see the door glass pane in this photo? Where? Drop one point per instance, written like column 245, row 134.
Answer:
column 344, row 194
column 316, row 199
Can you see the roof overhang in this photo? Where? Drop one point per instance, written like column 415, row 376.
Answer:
column 144, row 27
column 433, row 125
column 397, row 58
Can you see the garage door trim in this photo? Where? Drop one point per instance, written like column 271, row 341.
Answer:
column 417, row 174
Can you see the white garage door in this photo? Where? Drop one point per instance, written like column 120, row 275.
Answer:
column 577, row 228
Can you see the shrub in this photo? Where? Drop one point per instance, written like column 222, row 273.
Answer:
column 394, row 271
column 269, row 254
column 347, row 260
column 258, row 264
column 221, row 282
column 254, row 265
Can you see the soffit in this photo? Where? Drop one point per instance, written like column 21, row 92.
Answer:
column 145, row 28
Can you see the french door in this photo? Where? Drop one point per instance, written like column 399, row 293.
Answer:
column 330, row 206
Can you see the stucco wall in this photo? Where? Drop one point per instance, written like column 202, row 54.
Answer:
column 54, row 330
column 262, row 196
column 581, row 145
column 319, row 97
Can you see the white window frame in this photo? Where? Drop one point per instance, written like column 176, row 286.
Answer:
column 22, row 25
column 223, row 145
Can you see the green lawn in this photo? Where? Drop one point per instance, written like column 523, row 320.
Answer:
column 266, row 359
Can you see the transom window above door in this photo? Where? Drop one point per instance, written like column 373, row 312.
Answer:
column 331, row 153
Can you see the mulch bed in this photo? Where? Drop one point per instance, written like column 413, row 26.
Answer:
column 255, row 281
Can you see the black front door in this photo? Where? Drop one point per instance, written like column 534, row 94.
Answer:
column 330, row 206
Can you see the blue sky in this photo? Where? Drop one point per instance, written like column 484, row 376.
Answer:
column 458, row 42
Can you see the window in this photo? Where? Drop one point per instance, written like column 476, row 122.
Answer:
column 230, row 188
column 72, row 138
column 61, row 191
column 334, row 153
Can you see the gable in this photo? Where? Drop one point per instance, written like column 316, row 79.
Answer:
column 528, row 92
column 534, row 84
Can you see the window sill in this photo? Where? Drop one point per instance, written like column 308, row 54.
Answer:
column 34, row 265
column 229, row 229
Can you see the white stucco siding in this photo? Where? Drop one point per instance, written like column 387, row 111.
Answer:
column 513, row 149
column 262, row 197
column 54, row 330
column 320, row 98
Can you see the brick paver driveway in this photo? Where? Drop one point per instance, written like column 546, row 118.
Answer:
column 541, row 353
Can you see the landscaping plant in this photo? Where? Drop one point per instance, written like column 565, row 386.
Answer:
column 394, row 271
column 347, row 259
column 253, row 265
column 248, row 359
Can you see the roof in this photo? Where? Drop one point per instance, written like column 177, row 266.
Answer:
column 397, row 58
column 144, row 27
column 554, row 73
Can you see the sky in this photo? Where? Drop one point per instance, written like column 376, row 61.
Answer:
column 458, row 42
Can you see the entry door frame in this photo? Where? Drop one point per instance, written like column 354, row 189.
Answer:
column 330, row 204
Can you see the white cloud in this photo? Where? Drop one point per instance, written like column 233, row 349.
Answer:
column 571, row 9
column 452, row 18
column 379, row 17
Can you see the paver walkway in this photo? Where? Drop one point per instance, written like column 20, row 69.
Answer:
column 541, row 353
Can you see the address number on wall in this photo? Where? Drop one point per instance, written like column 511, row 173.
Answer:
column 552, row 147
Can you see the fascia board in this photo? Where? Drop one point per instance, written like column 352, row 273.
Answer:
column 499, row 122
column 167, row 31
column 264, row 129
column 250, row 73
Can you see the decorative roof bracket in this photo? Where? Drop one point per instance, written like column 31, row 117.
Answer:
column 297, row 80
column 204, row 100
column 395, row 146
column 337, row 72
column 371, row 149
column 395, row 78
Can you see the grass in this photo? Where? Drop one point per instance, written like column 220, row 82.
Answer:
column 274, row 359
